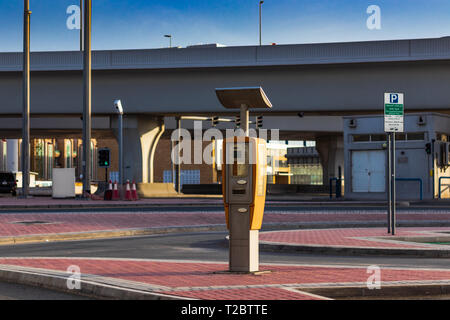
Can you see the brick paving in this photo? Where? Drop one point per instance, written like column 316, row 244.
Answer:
column 357, row 237
column 104, row 220
column 199, row 280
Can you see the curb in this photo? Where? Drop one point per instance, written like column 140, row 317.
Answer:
column 390, row 290
column 106, row 234
column 120, row 233
column 89, row 288
column 353, row 251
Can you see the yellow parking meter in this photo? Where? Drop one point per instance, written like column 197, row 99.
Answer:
column 244, row 183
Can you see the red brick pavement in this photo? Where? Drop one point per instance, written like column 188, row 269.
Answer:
column 199, row 280
column 100, row 221
column 356, row 237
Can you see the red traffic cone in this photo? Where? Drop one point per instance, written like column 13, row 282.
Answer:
column 134, row 194
column 115, row 193
column 128, row 191
column 109, row 192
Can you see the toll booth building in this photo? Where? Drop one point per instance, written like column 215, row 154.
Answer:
column 422, row 158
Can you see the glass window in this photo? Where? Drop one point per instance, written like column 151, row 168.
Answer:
column 68, row 153
column 416, row 136
column 50, row 161
column 361, row 138
column 400, row 136
column 441, row 137
column 379, row 138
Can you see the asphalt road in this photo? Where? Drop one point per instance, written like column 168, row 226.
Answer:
column 210, row 246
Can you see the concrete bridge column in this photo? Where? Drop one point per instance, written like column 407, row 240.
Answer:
column 331, row 151
column 12, row 154
column 141, row 134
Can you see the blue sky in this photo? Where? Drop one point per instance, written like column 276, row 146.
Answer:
column 138, row 24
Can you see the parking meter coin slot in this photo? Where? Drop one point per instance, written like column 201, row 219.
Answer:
column 239, row 191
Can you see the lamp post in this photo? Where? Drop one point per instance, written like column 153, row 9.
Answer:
column 26, row 101
column 260, row 22
column 170, row 39
column 81, row 25
column 118, row 105
column 87, row 98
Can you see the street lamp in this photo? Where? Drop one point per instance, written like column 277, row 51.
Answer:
column 26, row 102
column 170, row 38
column 260, row 22
column 119, row 108
column 87, row 98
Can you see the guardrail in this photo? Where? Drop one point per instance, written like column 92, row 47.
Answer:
column 413, row 180
column 440, row 185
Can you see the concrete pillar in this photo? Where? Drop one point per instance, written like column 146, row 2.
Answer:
column 141, row 134
column 331, row 151
column 12, row 151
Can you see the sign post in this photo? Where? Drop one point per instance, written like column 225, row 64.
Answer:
column 394, row 116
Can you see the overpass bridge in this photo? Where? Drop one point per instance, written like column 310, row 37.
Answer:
column 311, row 87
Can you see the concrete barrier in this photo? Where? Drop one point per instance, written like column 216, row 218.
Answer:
column 296, row 189
column 155, row 190
column 210, row 189
column 272, row 189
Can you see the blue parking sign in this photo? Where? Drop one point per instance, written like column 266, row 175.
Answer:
column 394, row 98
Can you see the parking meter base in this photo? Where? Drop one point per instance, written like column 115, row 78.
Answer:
column 244, row 252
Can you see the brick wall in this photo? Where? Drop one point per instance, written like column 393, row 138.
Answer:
column 163, row 162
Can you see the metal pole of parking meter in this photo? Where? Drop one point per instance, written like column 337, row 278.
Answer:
column 245, row 115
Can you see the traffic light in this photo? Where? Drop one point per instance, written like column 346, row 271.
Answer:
column 104, row 158
column 215, row 121
column 428, row 148
column 259, row 122
column 237, row 121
